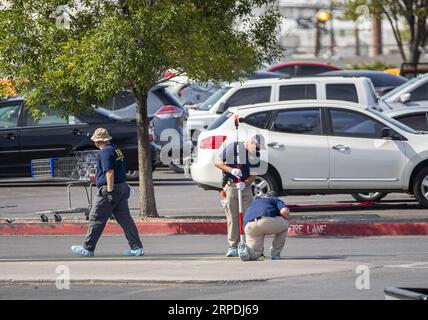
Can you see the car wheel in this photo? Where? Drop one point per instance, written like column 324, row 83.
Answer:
column 177, row 166
column 132, row 175
column 194, row 135
column 371, row 196
column 135, row 175
column 420, row 187
column 265, row 183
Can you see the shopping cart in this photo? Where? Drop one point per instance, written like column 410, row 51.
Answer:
column 78, row 170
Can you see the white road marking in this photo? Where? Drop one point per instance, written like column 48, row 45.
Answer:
column 415, row 265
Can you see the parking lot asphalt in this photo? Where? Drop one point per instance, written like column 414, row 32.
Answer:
column 311, row 268
column 326, row 266
column 178, row 196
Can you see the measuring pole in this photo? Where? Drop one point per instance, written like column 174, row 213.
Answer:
column 238, row 180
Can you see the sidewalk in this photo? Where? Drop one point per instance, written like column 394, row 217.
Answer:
column 194, row 268
column 188, row 269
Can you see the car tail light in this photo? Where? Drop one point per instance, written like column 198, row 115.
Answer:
column 213, row 142
column 169, row 112
column 168, row 74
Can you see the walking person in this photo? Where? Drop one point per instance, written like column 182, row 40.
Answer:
column 267, row 215
column 227, row 162
column 112, row 198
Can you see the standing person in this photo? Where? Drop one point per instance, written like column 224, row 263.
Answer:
column 227, row 162
column 265, row 216
column 112, row 198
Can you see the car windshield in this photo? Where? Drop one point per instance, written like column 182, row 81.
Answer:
column 372, row 89
column 207, row 105
column 396, row 123
column 220, row 120
column 107, row 113
column 399, row 88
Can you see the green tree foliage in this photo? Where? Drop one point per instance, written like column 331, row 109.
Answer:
column 402, row 15
column 414, row 14
column 112, row 45
column 377, row 65
column 351, row 11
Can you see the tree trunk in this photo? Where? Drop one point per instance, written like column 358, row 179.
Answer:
column 332, row 39
column 377, row 45
column 417, row 42
column 415, row 54
column 317, row 39
column 147, row 192
column 357, row 40
column 397, row 36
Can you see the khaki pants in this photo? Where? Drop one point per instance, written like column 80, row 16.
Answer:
column 256, row 231
column 231, row 208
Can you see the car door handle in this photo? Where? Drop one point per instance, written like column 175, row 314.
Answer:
column 11, row 136
column 341, row 147
column 276, row 145
column 77, row 132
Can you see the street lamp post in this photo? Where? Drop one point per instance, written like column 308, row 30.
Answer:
column 322, row 17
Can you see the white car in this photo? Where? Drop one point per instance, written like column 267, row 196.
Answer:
column 413, row 93
column 322, row 147
column 416, row 117
column 354, row 89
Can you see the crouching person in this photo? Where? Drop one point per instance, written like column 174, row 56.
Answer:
column 265, row 216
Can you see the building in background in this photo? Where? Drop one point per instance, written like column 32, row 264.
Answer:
column 299, row 35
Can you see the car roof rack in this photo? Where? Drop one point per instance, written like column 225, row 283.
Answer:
column 287, row 76
column 412, row 70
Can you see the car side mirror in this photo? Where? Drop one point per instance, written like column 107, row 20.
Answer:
column 222, row 107
column 390, row 134
column 404, row 98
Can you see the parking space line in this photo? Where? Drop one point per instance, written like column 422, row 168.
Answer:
column 414, row 265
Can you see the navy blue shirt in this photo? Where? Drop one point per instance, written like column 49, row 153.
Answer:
column 110, row 158
column 264, row 207
column 247, row 160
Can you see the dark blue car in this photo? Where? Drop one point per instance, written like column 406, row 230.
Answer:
column 23, row 138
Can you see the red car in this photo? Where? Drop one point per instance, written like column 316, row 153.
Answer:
column 301, row 68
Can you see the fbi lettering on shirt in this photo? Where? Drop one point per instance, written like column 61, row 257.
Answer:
column 119, row 154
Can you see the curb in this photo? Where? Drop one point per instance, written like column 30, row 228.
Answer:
column 173, row 228
column 154, row 282
column 306, row 228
